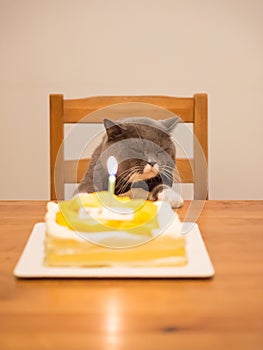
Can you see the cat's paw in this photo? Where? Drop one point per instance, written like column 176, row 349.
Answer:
column 169, row 195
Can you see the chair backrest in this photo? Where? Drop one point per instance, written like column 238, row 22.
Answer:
column 87, row 110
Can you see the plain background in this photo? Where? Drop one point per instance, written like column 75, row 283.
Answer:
column 167, row 47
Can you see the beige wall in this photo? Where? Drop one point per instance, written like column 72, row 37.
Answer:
column 174, row 47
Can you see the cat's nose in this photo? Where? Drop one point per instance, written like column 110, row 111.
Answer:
column 152, row 163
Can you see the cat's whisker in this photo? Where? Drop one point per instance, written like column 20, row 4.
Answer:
column 126, row 175
column 169, row 177
column 167, row 167
column 124, row 183
column 123, row 179
column 167, row 174
column 167, row 170
column 130, row 170
column 136, row 167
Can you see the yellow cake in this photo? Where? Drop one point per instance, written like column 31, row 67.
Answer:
column 99, row 229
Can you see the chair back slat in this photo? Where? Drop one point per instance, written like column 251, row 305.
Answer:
column 126, row 106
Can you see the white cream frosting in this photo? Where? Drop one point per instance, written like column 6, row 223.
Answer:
column 169, row 225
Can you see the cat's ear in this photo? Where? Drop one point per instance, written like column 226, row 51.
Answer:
column 113, row 129
column 171, row 123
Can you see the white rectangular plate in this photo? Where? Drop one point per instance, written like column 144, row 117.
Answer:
column 30, row 264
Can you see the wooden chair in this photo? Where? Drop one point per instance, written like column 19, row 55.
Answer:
column 92, row 110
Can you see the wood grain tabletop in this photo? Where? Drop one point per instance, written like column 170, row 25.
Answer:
column 223, row 312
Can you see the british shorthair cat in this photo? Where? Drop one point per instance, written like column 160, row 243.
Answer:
column 145, row 154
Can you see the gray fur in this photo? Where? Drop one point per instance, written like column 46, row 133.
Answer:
column 135, row 143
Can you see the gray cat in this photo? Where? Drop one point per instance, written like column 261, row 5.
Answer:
column 146, row 160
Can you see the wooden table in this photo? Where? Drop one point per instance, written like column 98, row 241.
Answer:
column 223, row 312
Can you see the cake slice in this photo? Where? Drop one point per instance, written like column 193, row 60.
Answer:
column 94, row 230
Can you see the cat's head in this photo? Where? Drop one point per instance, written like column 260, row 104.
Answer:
column 142, row 146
